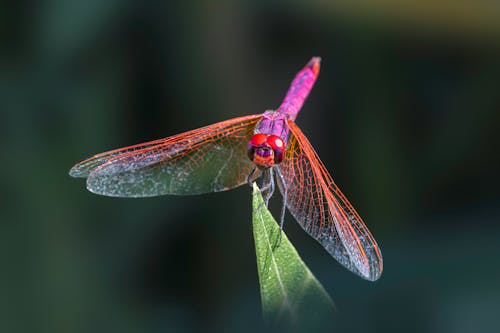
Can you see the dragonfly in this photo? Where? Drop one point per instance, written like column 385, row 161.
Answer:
column 234, row 152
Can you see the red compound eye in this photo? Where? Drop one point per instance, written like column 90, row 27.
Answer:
column 258, row 140
column 275, row 142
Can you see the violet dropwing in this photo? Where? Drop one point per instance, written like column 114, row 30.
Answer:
column 234, row 152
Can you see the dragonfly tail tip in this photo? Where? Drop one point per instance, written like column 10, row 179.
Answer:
column 314, row 64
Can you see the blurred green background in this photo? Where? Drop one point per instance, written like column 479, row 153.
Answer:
column 405, row 115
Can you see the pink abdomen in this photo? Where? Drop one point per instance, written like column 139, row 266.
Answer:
column 274, row 122
column 300, row 88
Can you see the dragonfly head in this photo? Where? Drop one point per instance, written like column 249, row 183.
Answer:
column 266, row 150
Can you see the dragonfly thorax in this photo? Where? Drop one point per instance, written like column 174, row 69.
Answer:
column 266, row 150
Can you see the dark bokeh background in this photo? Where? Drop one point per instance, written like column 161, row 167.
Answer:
column 405, row 114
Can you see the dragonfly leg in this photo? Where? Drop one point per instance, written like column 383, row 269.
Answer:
column 269, row 187
column 250, row 176
column 282, row 185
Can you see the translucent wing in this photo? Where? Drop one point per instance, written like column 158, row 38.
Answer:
column 209, row 159
column 324, row 212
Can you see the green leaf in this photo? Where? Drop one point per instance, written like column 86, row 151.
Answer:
column 291, row 295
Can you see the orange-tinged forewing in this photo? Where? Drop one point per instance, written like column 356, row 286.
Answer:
column 324, row 212
column 209, row 159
